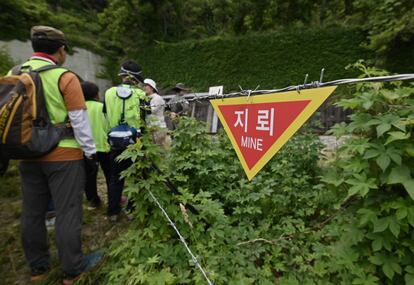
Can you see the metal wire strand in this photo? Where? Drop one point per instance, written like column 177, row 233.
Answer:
column 181, row 238
column 314, row 84
column 248, row 93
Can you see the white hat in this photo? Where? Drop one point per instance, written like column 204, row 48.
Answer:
column 151, row 83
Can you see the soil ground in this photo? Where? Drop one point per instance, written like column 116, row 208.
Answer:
column 97, row 233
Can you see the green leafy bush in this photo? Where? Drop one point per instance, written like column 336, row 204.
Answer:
column 355, row 226
column 5, row 62
column 373, row 174
column 272, row 60
column 20, row 15
column 246, row 232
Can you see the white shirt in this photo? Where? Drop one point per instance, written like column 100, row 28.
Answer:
column 157, row 104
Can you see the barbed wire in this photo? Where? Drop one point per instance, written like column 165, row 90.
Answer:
column 248, row 93
column 315, row 84
column 182, row 239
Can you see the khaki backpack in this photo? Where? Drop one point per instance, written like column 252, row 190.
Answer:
column 25, row 128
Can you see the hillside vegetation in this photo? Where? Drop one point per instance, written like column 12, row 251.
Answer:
column 276, row 59
column 204, row 42
column 347, row 218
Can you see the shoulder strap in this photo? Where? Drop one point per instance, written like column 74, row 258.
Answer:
column 16, row 70
column 123, row 93
column 47, row 67
column 123, row 111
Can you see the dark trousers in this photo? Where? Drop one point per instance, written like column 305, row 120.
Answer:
column 91, row 189
column 63, row 182
column 116, row 183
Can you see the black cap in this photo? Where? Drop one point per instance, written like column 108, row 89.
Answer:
column 131, row 68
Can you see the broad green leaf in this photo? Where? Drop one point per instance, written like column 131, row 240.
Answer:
column 387, row 244
column 331, row 177
column 396, row 267
column 366, row 216
column 161, row 278
column 153, row 260
column 400, row 125
column 399, row 174
column 409, row 187
column 389, row 94
column 388, row 270
column 367, row 104
column 366, row 280
column 394, row 227
column 381, row 129
column 377, row 244
column 409, row 269
column 381, row 225
column 401, row 213
column 371, row 153
column 409, row 279
column 353, row 190
column 410, row 150
column 395, row 157
column 383, row 161
column 376, row 259
column 395, row 136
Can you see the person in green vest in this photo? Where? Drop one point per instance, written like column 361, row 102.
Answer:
column 99, row 125
column 122, row 105
column 60, row 174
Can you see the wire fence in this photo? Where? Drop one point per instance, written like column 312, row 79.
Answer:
column 311, row 85
column 182, row 239
column 248, row 93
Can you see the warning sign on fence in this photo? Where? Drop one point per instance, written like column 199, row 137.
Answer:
column 260, row 125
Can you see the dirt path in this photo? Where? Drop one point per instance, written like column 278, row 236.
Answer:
column 97, row 233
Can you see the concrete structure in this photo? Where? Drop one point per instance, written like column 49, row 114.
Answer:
column 85, row 63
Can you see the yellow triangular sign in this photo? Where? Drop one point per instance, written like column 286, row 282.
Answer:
column 260, row 125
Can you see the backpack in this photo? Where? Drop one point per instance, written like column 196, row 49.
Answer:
column 123, row 135
column 26, row 131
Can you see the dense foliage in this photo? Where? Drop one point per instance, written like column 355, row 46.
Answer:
column 294, row 33
column 5, row 62
column 270, row 60
column 374, row 173
column 161, row 20
column 287, row 226
column 263, row 230
column 73, row 17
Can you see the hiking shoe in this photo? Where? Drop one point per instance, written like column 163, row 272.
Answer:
column 50, row 223
column 93, row 205
column 89, row 262
column 125, row 216
column 113, row 218
column 39, row 273
column 124, row 201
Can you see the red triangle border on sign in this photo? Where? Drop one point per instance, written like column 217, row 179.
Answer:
column 253, row 143
column 290, row 111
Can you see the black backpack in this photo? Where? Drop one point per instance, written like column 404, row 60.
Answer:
column 123, row 135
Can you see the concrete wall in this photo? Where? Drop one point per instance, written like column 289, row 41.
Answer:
column 85, row 63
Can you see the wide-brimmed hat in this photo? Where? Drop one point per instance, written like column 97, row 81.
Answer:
column 180, row 86
column 151, row 83
column 131, row 68
column 46, row 33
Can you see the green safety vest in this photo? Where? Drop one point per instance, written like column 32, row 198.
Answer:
column 113, row 105
column 99, row 125
column 55, row 104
